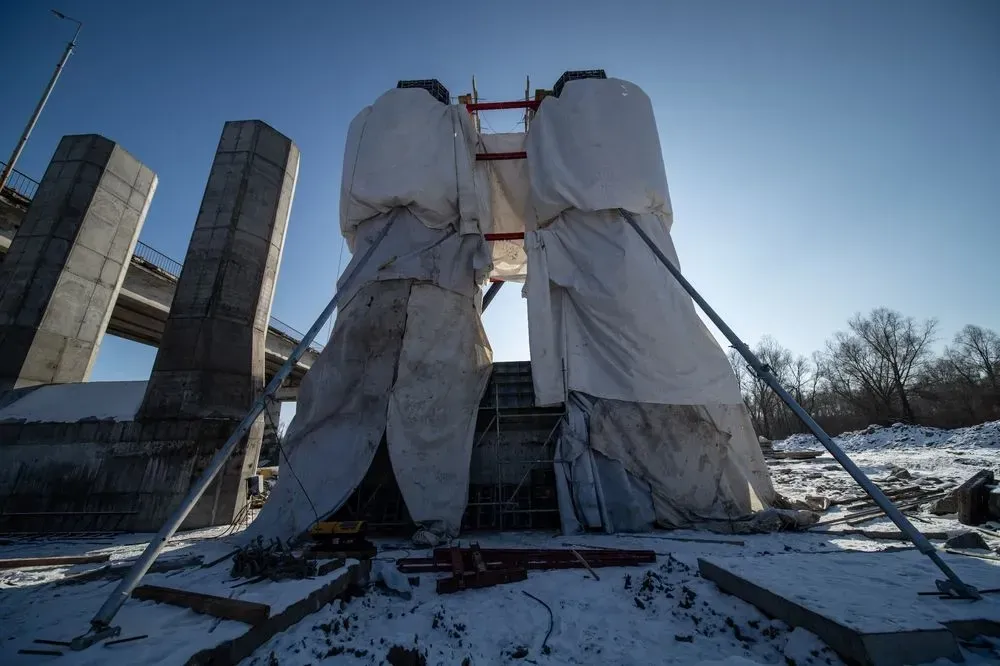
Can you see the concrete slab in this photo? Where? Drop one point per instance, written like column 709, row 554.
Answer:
column 207, row 639
column 831, row 597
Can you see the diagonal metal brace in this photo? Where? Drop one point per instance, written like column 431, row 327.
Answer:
column 953, row 585
column 100, row 625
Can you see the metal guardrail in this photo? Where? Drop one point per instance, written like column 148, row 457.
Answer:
column 173, row 267
column 21, row 184
column 156, row 258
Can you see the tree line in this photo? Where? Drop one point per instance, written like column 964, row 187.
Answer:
column 883, row 369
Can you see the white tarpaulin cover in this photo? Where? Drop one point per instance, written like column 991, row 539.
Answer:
column 665, row 424
column 615, row 456
column 506, row 182
column 408, row 356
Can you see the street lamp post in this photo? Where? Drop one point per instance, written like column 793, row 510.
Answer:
column 9, row 168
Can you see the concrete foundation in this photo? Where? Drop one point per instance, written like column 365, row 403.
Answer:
column 210, row 364
column 67, row 261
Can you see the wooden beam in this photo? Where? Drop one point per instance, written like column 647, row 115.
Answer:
column 234, row 650
column 20, row 562
column 228, row 609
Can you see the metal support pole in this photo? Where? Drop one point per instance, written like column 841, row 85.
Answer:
column 9, row 168
column 953, row 585
column 101, row 623
column 490, row 293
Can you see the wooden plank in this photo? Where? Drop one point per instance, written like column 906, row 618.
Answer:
column 228, row 609
column 876, row 649
column 584, row 562
column 888, row 536
column 877, row 511
column 20, row 562
column 237, row 649
column 118, row 570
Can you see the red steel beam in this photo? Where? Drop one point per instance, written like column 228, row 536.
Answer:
column 496, row 106
column 489, row 157
column 513, row 235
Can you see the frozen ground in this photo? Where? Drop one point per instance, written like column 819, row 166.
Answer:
column 656, row 614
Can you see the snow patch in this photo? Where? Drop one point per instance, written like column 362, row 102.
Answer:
column 900, row 436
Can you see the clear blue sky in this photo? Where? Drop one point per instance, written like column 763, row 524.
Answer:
column 824, row 157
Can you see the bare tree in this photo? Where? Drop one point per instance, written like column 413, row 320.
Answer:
column 859, row 376
column 900, row 344
column 975, row 355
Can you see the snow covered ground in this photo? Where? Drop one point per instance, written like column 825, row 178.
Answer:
column 655, row 614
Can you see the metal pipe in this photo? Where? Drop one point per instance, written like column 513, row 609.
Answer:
column 497, row 106
column 101, row 623
column 954, row 584
column 490, row 293
column 493, row 157
column 7, row 170
column 506, row 236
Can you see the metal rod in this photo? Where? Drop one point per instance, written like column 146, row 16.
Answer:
column 763, row 371
column 497, row 106
column 490, row 293
column 493, row 157
column 9, row 168
column 102, row 619
column 512, row 235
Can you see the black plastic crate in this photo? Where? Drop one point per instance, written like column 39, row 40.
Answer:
column 433, row 86
column 575, row 75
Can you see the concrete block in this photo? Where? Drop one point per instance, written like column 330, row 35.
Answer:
column 123, row 244
column 271, row 145
column 76, row 363
column 76, row 148
column 85, row 263
column 210, row 364
column 116, row 186
column 831, row 595
column 123, row 165
column 145, row 182
column 56, row 249
column 105, row 206
column 99, row 150
column 95, row 319
column 112, row 272
column 68, row 304
column 62, row 273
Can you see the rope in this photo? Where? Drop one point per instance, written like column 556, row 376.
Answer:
column 281, row 450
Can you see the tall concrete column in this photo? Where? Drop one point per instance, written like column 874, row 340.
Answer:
column 65, row 267
column 210, row 364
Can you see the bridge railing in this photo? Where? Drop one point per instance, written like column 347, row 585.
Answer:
column 156, row 258
column 21, row 184
column 173, row 268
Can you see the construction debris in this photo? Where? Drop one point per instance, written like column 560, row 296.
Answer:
column 944, row 506
column 792, row 455
column 866, row 515
column 273, row 561
column 477, row 567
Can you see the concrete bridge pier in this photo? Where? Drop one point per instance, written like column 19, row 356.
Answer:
column 66, row 263
column 210, row 363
